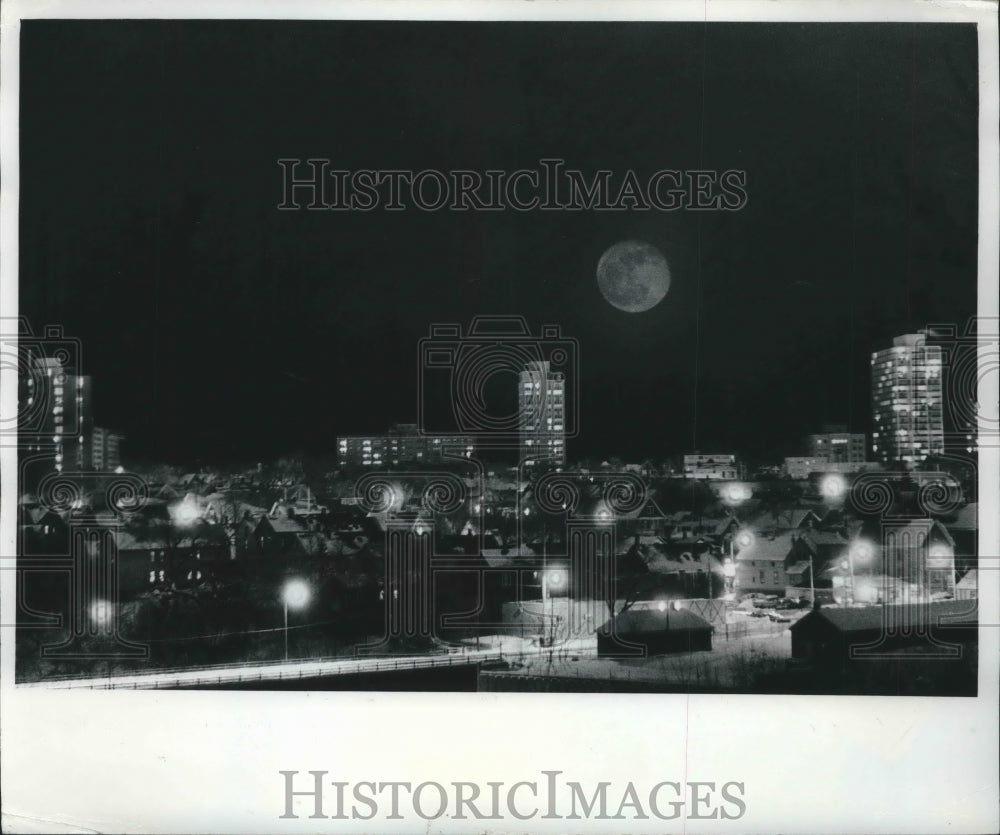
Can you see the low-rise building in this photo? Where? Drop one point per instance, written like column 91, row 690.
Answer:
column 655, row 631
column 403, row 443
column 722, row 466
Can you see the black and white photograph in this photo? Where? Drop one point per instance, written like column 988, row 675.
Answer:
column 608, row 357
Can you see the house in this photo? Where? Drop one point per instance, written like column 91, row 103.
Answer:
column 679, row 568
column 813, row 551
column 288, row 537
column 785, row 519
column 42, row 531
column 838, row 639
column 646, row 520
column 761, row 565
column 658, row 631
column 968, row 587
column 920, row 552
column 159, row 557
column 964, row 530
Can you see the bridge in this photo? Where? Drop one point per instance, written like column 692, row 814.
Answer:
column 266, row 672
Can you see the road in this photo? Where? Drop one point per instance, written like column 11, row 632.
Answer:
column 497, row 648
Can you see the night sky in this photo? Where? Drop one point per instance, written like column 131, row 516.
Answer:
column 219, row 328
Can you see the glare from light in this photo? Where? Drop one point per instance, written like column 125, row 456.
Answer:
column 833, row 486
column 736, row 494
column 555, row 578
column 862, row 551
column 185, row 513
column 101, row 612
column 296, row 594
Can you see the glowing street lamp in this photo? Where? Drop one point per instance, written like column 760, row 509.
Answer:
column 743, row 539
column 101, row 614
column 735, row 494
column 833, row 487
column 552, row 578
column 862, row 551
column 186, row 512
column 294, row 595
column 729, row 572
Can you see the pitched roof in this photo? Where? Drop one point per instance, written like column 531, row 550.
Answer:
column 925, row 525
column 647, row 510
column 725, row 522
column 785, row 519
column 639, row 621
column 767, row 548
column 823, row 538
column 282, row 524
column 868, row 618
column 969, row 581
column 151, row 540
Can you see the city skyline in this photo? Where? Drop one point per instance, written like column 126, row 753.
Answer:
column 219, row 328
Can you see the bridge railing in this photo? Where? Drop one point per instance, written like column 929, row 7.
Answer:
column 269, row 671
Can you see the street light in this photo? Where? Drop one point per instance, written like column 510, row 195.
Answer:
column 729, row 572
column 295, row 595
column 735, row 494
column 101, row 613
column 833, row 487
column 186, row 512
column 744, row 539
column 552, row 578
column 860, row 552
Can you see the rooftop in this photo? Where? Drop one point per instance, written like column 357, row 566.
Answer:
column 638, row 621
column 873, row 618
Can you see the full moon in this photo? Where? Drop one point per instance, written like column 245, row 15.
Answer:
column 633, row 276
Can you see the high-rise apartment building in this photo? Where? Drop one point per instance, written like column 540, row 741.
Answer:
column 907, row 401
column 54, row 414
column 541, row 400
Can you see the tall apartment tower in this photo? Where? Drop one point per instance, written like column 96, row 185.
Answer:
column 55, row 414
column 907, row 401
column 541, row 401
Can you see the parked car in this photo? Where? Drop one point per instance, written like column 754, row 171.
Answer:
column 777, row 617
column 758, row 613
